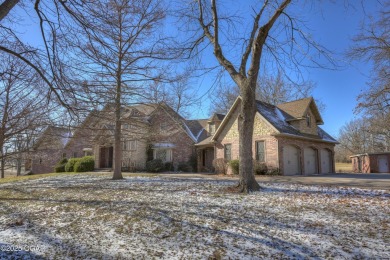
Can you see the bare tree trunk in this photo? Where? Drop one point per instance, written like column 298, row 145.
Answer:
column 6, row 7
column 2, row 163
column 117, row 137
column 18, row 166
column 246, row 118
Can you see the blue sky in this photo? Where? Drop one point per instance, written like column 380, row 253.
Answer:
column 333, row 25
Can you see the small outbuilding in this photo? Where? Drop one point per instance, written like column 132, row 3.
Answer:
column 371, row 162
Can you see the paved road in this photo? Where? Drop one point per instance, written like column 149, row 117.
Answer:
column 379, row 181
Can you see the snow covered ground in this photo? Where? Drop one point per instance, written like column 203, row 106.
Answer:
column 91, row 216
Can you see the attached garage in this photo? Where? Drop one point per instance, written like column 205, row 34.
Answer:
column 310, row 158
column 326, row 161
column 291, row 160
column 371, row 162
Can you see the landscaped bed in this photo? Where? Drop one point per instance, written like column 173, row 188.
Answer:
column 91, row 216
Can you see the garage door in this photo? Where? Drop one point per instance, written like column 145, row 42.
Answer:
column 310, row 157
column 383, row 163
column 326, row 161
column 291, row 165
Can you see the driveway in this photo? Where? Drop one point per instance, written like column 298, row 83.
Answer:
column 380, row 181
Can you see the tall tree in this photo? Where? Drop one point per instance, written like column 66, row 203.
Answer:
column 117, row 48
column 22, row 107
column 372, row 44
column 272, row 30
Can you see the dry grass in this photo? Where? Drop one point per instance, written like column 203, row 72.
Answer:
column 343, row 167
column 90, row 216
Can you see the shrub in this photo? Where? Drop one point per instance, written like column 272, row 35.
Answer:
column 168, row 166
column 184, row 167
column 260, row 168
column 155, row 165
column 193, row 162
column 273, row 171
column 69, row 166
column 235, row 165
column 220, row 166
column 84, row 164
column 60, row 166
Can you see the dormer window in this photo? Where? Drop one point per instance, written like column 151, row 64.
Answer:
column 211, row 129
column 308, row 120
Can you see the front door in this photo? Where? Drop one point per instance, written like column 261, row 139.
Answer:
column 106, row 157
column 383, row 163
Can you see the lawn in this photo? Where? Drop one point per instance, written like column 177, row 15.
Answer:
column 91, row 216
column 343, row 167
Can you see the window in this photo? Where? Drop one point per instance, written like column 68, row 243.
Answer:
column 129, row 126
column 228, row 152
column 64, row 155
column 163, row 154
column 164, row 126
column 260, row 151
column 129, row 145
column 308, row 120
column 75, row 155
column 211, row 129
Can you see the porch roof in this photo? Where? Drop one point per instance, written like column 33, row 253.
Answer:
column 206, row 142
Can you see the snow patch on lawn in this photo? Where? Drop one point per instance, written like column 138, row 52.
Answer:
column 91, row 216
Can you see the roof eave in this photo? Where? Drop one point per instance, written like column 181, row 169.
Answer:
column 306, row 138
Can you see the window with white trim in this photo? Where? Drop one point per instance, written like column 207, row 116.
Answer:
column 129, row 145
column 211, row 129
column 164, row 155
column 260, row 151
column 228, row 152
column 308, row 120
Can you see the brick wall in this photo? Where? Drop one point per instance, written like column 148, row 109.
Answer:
column 44, row 160
column 173, row 133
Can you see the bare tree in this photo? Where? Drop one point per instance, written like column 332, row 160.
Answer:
column 117, row 51
column 273, row 31
column 23, row 107
column 272, row 89
column 373, row 44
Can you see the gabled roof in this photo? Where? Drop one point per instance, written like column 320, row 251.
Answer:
column 278, row 119
column 178, row 119
column 297, row 109
column 197, row 126
column 217, row 117
column 58, row 133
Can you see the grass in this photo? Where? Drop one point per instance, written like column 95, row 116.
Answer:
column 8, row 179
column 343, row 167
column 90, row 216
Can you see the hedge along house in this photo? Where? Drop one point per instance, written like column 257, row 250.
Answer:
column 286, row 137
column 371, row 162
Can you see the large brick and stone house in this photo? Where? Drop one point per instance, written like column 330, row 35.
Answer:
column 149, row 131
column 286, row 137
